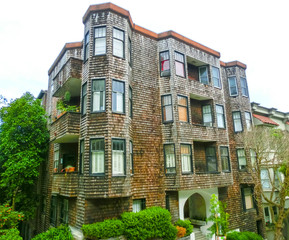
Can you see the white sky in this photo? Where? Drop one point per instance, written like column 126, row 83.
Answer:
column 255, row 32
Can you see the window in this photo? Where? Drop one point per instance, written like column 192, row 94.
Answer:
column 265, row 179
column 117, row 96
column 220, row 116
column 247, row 196
column 64, row 211
column 186, row 157
column 84, row 99
column 211, row 159
column 207, row 115
column 204, row 78
column 130, row 101
column 170, row 163
column 129, row 51
column 100, row 41
column 56, row 160
column 268, row 217
column 248, row 120
column 225, row 159
column 168, row 202
column 81, row 157
column 233, row 86
column 118, row 157
column 86, row 46
column 167, row 109
column 180, row 64
column 118, row 43
column 98, row 95
column 183, row 108
column 53, row 211
column 216, row 77
column 241, row 159
column 253, row 157
column 138, row 205
column 244, row 87
column 131, row 156
column 237, row 122
column 165, row 64
column 97, row 156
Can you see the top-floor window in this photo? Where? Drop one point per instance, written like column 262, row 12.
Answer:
column 244, row 87
column 129, row 51
column 84, row 98
column 216, row 77
column 165, row 63
column 86, row 46
column 118, row 43
column 204, row 78
column 180, row 64
column 233, row 86
column 100, row 41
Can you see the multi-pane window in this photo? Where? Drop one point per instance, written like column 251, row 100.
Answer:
column 170, row 162
column 98, row 95
column 207, row 115
column 117, row 96
column 247, row 196
column 81, row 157
column 130, row 101
column 118, row 43
column 233, row 86
column 118, row 157
column 165, row 63
column 216, row 77
column 241, row 159
column 248, row 120
column 203, row 72
column 100, row 41
column 86, row 46
column 138, row 205
column 64, row 211
column 180, row 64
column 220, row 116
column 186, row 157
column 129, row 51
column 237, row 121
column 97, row 156
column 224, row 151
column 211, row 159
column 244, row 87
column 131, row 156
column 167, row 108
column 84, row 99
column 183, row 108
column 56, row 160
column 265, row 180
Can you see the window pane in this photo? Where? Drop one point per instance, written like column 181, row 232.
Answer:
column 170, row 158
column 225, row 158
column 182, row 108
column 204, row 75
column 179, row 57
column 241, row 159
column 265, row 179
column 167, row 109
column 186, row 158
column 118, row 96
column 211, row 159
column 220, row 116
column 99, row 46
column 99, row 32
column 180, row 70
column 237, row 122
column 216, row 77
column 207, row 115
column 118, row 151
column 233, row 86
column 97, row 155
column 248, row 120
column 244, row 87
column 117, row 48
column 248, row 198
column 119, row 34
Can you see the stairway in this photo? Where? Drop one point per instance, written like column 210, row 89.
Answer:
column 198, row 234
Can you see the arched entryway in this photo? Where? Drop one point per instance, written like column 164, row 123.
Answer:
column 195, row 207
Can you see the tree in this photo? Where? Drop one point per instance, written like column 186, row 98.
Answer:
column 269, row 150
column 23, row 146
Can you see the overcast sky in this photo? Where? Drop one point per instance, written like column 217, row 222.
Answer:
column 255, row 32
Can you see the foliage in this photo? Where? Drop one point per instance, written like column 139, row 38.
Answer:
column 60, row 233
column 181, row 232
column 243, row 236
column 154, row 222
column 63, row 104
column 23, row 146
column 10, row 234
column 185, row 224
column 106, row 229
column 219, row 217
column 8, row 218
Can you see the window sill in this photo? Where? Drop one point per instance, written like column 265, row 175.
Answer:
column 187, row 173
column 168, row 122
column 97, row 174
column 118, row 176
column 103, row 111
column 122, row 58
column 120, row 113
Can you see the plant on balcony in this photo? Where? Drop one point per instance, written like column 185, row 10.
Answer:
column 63, row 104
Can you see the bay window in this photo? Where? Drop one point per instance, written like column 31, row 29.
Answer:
column 244, row 87
column 98, row 95
column 117, row 96
column 180, row 64
column 118, row 43
column 165, row 63
column 118, row 157
column 233, row 86
column 216, row 77
column 100, row 41
column 167, row 108
column 97, row 156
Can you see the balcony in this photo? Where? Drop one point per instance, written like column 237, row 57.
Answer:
column 65, row 129
column 65, row 184
column 68, row 79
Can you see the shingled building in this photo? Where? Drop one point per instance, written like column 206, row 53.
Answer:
column 140, row 119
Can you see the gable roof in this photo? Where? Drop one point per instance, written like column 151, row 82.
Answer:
column 266, row 120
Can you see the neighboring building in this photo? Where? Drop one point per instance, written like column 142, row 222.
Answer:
column 271, row 117
column 157, row 126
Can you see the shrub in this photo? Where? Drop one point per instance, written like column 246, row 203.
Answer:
column 10, row 234
column 9, row 218
column 243, row 236
column 60, row 233
column 181, row 232
column 185, row 224
column 106, row 229
column 154, row 222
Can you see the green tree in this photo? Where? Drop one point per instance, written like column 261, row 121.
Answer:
column 23, row 146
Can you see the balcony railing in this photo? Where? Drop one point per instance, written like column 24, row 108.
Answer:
column 65, row 184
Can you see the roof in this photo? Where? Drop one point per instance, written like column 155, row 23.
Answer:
column 233, row 63
column 264, row 119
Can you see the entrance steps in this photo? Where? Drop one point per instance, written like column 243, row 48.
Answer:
column 198, row 234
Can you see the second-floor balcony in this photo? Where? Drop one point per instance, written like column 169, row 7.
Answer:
column 65, row 184
column 65, row 129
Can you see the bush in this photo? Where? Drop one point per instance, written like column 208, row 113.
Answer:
column 185, row 224
column 154, row 222
column 181, row 232
column 243, row 236
column 9, row 218
column 10, row 234
column 60, row 233
column 105, row 229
